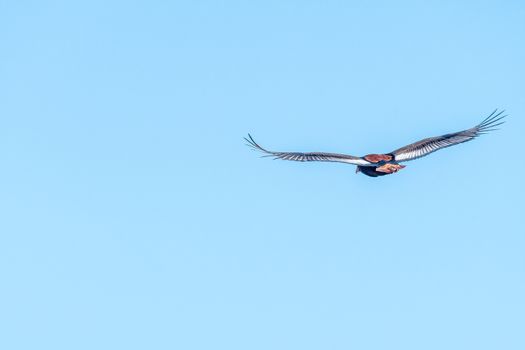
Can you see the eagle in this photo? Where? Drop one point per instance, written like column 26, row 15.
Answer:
column 375, row 165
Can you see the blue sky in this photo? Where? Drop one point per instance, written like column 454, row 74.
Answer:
column 133, row 216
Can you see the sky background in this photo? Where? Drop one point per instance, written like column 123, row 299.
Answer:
column 134, row 217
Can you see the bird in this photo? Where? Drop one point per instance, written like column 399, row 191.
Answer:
column 375, row 165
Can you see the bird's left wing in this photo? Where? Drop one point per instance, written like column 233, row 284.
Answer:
column 308, row 157
column 424, row 147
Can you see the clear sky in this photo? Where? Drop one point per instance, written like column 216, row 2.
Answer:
column 134, row 217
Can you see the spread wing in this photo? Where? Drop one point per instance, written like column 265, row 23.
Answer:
column 308, row 157
column 424, row 147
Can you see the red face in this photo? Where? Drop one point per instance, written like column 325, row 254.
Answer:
column 389, row 168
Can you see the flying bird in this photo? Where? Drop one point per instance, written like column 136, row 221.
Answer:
column 375, row 165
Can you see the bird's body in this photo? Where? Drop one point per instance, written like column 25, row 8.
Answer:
column 375, row 165
column 381, row 170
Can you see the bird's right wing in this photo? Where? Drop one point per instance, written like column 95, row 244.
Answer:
column 424, row 147
column 308, row 157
